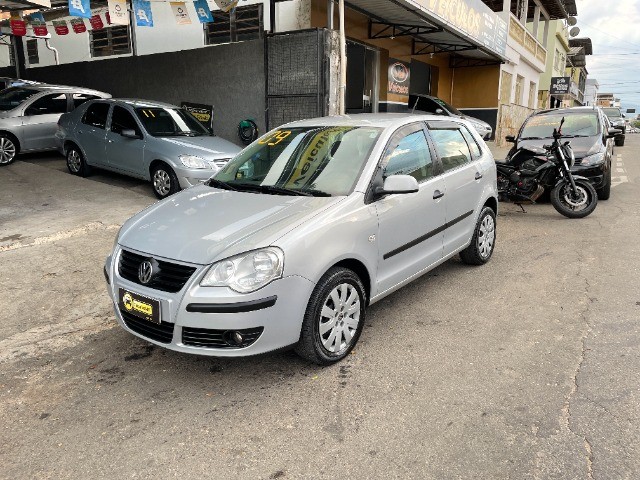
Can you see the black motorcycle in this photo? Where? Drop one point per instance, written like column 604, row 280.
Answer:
column 530, row 171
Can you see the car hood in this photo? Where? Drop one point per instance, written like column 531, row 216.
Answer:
column 580, row 145
column 203, row 224
column 474, row 119
column 206, row 146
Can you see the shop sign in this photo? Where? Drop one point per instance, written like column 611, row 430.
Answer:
column 631, row 110
column 180, row 13
column 61, row 27
column 399, row 76
column 78, row 26
column 203, row 113
column 560, row 85
column 473, row 18
column 118, row 14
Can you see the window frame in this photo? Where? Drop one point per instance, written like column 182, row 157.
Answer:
column 454, row 126
column 220, row 17
column 108, row 31
column 107, row 119
column 139, row 129
column 41, row 97
column 29, row 42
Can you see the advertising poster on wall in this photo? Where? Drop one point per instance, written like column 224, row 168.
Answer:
column 142, row 11
column 61, row 27
column 79, row 8
column 18, row 25
column 203, row 113
column 38, row 25
column 398, row 81
column 78, row 26
column 203, row 11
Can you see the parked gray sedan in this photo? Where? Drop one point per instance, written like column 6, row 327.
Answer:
column 290, row 242
column 148, row 140
column 29, row 116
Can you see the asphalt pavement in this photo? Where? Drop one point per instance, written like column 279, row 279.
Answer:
column 527, row 367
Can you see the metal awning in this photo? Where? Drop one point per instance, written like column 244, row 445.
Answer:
column 433, row 34
column 584, row 42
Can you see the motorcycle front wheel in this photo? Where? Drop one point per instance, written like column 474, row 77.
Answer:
column 574, row 206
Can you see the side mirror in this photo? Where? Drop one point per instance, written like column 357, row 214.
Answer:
column 439, row 111
column 129, row 133
column 398, row 184
column 510, row 139
column 612, row 132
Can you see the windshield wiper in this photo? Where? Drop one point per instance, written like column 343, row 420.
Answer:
column 533, row 138
column 272, row 189
column 220, row 184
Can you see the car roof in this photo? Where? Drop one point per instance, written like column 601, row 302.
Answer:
column 380, row 120
column 567, row 110
column 136, row 102
column 45, row 87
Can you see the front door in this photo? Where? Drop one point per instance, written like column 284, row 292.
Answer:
column 124, row 153
column 463, row 179
column 40, row 121
column 410, row 236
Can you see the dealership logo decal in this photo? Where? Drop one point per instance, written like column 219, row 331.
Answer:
column 399, row 72
column 145, row 272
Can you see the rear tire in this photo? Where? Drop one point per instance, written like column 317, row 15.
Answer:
column 605, row 192
column 76, row 162
column 334, row 318
column 561, row 201
column 164, row 181
column 483, row 242
column 9, row 149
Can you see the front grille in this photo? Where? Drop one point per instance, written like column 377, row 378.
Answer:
column 206, row 338
column 162, row 332
column 170, row 278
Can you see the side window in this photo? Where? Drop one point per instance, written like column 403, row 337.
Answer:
column 121, row 120
column 452, row 148
column 409, row 154
column 96, row 115
column 80, row 98
column 471, row 141
column 53, row 103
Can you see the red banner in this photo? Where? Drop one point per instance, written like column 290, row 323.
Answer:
column 96, row 22
column 18, row 27
column 40, row 30
column 78, row 25
column 60, row 27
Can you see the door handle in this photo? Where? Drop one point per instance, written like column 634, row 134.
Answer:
column 478, row 175
column 438, row 194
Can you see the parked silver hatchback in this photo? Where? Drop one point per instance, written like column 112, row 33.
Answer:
column 290, row 242
column 149, row 140
column 29, row 116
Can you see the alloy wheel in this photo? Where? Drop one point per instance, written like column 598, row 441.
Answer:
column 577, row 202
column 7, row 150
column 486, row 236
column 74, row 161
column 162, row 182
column 339, row 318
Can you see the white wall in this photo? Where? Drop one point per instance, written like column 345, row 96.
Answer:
column 519, row 66
column 166, row 35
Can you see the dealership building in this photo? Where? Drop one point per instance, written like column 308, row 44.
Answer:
column 276, row 61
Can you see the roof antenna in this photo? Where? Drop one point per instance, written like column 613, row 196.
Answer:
column 415, row 105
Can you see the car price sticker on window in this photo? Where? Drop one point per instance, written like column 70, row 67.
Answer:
column 275, row 138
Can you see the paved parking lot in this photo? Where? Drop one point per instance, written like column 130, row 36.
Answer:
column 527, row 367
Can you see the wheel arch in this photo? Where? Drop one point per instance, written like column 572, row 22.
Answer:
column 360, row 269
column 491, row 202
column 13, row 138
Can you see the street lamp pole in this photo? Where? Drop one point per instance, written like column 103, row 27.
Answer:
column 343, row 60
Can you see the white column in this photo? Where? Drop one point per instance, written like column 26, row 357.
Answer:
column 545, row 33
column 343, row 60
column 536, row 20
column 506, row 6
column 525, row 10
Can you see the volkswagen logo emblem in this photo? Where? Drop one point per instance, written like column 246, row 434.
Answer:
column 145, row 272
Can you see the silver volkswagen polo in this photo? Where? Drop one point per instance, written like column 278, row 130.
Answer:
column 143, row 139
column 289, row 243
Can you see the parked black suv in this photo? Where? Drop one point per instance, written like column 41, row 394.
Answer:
column 616, row 117
column 590, row 138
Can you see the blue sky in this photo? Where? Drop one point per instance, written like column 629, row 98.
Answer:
column 614, row 29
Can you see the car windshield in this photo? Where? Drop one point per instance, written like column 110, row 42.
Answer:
column 575, row 125
column 611, row 112
column 13, row 97
column 318, row 161
column 170, row 122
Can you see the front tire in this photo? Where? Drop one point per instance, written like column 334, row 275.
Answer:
column 76, row 162
column 164, row 181
column 8, row 150
column 585, row 203
column 483, row 242
column 605, row 192
column 334, row 318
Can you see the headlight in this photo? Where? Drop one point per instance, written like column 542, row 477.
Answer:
column 593, row 159
column 479, row 127
column 247, row 272
column 191, row 161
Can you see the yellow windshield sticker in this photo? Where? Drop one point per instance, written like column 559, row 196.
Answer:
column 275, row 138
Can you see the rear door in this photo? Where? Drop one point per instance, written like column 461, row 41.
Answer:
column 91, row 133
column 123, row 153
column 40, row 121
column 409, row 235
column 459, row 155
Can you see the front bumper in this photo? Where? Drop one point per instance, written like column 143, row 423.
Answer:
column 216, row 312
column 595, row 173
